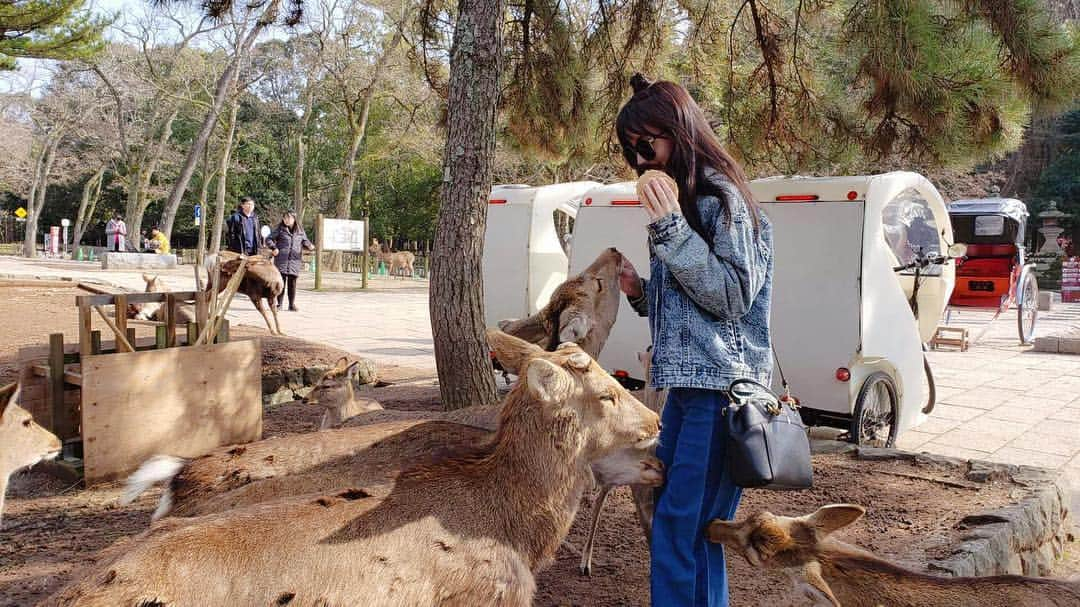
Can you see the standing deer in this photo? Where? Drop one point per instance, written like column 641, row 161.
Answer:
column 469, row 530
column 23, row 442
column 836, row 574
column 262, row 283
column 397, row 263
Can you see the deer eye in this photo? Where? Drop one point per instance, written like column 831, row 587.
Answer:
column 607, row 398
column 26, row 423
column 599, row 284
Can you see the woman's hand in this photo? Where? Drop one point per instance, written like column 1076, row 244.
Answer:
column 660, row 200
column 629, row 281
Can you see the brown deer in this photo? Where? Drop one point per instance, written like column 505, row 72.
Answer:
column 262, row 283
column 468, row 530
column 336, row 394
column 581, row 310
column 368, row 455
column 837, row 574
column 23, row 442
column 398, row 263
column 156, row 310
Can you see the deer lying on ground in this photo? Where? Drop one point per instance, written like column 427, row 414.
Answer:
column 837, row 574
column 581, row 310
column 369, row 455
column 336, row 394
column 156, row 310
column 23, row 442
column 398, row 263
column 262, row 283
column 469, row 530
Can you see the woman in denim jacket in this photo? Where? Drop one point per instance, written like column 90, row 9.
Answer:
column 707, row 300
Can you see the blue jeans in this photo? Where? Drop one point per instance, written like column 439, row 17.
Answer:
column 688, row 570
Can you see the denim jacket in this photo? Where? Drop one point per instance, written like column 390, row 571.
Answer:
column 708, row 306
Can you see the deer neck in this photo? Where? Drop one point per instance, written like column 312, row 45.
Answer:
column 540, row 464
column 858, row 577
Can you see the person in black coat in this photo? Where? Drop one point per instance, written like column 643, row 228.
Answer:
column 287, row 243
column 242, row 228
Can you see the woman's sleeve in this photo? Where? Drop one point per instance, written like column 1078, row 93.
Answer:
column 724, row 279
column 640, row 304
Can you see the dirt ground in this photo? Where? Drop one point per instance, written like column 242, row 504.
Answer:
column 51, row 528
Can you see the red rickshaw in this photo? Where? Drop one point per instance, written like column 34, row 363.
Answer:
column 994, row 273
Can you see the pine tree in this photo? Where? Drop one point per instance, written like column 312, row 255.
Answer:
column 47, row 29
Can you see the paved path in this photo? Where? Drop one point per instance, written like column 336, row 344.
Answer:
column 389, row 322
column 998, row 401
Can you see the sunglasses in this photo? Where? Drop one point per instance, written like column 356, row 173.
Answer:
column 642, row 147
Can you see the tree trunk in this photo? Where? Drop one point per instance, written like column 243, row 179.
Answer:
column 36, row 200
column 204, row 194
column 144, row 174
column 90, row 194
column 223, row 174
column 224, row 85
column 301, row 157
column 456, row 300
column 348, row 183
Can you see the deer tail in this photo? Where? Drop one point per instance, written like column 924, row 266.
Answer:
column 157, row 469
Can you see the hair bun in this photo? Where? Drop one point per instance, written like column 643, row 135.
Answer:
column 639, row 83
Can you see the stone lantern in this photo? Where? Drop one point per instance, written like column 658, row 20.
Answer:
column 1051, row 230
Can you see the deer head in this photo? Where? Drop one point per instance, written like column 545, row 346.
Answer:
column 568, row 387
column 22, row 441
column 768, row 540
column 335, row 393
column 153, row 284
column 582, row 310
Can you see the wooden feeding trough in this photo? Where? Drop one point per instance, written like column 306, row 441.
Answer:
column 182, row 392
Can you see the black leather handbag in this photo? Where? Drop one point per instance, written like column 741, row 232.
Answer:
column 767, row 445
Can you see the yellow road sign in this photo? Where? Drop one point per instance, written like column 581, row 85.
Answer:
column 20, row 213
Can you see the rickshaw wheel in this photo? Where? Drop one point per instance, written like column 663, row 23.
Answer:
column 874, row 421
column 1027, row 306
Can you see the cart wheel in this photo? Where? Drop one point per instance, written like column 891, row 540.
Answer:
column 1027, row 306
column 931, row 387
column 874, row 422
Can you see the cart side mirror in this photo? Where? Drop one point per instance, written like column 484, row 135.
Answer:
column 958, row 249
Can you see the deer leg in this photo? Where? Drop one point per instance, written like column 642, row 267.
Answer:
column 274, row 311
column 586, row 554
column 644, row 505
column 261, row 306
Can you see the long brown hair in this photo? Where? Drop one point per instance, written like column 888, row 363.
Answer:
column 666, row 109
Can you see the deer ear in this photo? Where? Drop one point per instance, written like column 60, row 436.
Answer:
column 574, row 330
column 830, row 518
column 511, row 351
column 340, row 365
column 547, row 382
column 9, row 394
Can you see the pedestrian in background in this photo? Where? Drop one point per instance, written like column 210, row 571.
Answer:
column 115, row 233
column 287, row 244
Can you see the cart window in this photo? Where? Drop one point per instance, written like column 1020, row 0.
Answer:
column 909, row 226
column 989, row 225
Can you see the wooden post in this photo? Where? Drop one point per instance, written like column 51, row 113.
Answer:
column 366, row 256
column 192, row 333
column 120, row 303
column 223, row 332
column 61, row 421
column 318, row 251
column 95, row 342
column 122, row 343
column 170, row 320
column 131, row 338
column 202, row 309
column 161, row 338
column 85, row 328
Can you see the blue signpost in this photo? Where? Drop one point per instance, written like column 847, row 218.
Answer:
column 198, row 214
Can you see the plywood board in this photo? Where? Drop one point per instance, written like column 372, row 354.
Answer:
column 178, row 401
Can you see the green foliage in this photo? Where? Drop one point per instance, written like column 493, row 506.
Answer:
column 47, row 29
column 1060, row 181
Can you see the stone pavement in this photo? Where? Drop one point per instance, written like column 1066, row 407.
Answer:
column 388, row 323
column 1002, row 402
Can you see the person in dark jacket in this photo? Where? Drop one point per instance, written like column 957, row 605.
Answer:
column 242, row 228
column 287, row 243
